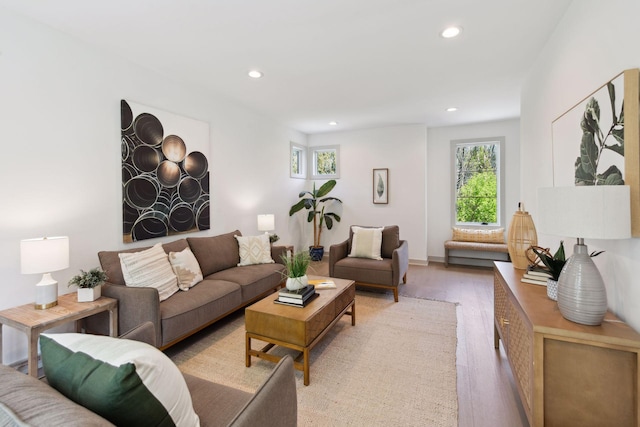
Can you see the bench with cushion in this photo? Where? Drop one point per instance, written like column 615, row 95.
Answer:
column 476, row 246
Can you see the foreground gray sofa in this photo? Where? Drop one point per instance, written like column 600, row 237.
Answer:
column 225, row 288
column 25, row 400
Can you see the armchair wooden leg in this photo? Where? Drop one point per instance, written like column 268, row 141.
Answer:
column 395, row 294
column 404, row 278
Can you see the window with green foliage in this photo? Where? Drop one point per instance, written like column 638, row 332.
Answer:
column 477, row 181
column 298, row 161
column 325, row 162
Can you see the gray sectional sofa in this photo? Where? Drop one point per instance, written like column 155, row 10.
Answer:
column 225, row 289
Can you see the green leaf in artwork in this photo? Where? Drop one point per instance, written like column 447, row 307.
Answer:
column 380, row 186
column 589, row 154
column 612, row 97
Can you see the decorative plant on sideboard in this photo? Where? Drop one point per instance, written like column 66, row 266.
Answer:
column 88, row 283
column 316, row 203
column 554, row 264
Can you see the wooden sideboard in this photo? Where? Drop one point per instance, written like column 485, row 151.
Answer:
column 567, row 374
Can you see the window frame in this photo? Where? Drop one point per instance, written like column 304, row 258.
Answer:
column 302, row 160
column 500, row 163
column 313, row 159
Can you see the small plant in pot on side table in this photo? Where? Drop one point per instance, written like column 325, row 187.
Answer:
column 89, row 284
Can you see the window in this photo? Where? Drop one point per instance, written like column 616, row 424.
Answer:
column 325, row 162
column 298, row 161
column 477, row 181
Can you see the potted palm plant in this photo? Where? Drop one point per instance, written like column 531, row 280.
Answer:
column 316, row 203
column 296, row 270
column 89, row 284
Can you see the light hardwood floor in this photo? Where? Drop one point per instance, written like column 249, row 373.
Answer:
column 487, row 395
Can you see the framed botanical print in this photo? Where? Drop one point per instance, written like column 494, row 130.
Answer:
column 381, row 186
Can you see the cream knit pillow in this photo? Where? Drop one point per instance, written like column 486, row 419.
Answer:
column 149, row 269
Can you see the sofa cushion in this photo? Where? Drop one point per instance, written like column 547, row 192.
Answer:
column 254, row 250
column 390, row 240
column 186, row 268
column 254, row 280
column 110, row 261
column 478, row 235
column 366, row 243
column 365, row 270
column 215, row 253
column 149, row 269
column 203, row 304
column 38, row 404
column 124, row 381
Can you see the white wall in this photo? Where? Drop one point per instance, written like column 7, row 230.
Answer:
column 60, row 175
column 440, row 171
column 594, row 42
column 401, row 149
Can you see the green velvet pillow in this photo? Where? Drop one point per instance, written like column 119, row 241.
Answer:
column 127, row 382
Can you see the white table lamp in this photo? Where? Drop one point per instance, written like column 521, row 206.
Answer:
column 44, row 255
column 266, row 223
column 591, row 212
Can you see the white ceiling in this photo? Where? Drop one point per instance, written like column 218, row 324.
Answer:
column 363, row 63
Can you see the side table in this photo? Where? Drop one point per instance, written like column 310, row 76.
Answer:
column 32, row 322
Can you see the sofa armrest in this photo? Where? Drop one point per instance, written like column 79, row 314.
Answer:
column 277, row 252
column 146, row 333
column 400, row 262
column 336, row 253
column 275, row 403
column 135, row 307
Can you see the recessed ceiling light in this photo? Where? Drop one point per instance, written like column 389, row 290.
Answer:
column 255, row 74
column 452, row 109
column 333, row 123
column 451, row 32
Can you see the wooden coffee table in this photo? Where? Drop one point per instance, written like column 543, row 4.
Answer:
column 298, row 328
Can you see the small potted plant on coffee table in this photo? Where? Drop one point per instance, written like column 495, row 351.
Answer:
column 89, row 284
column 296, row 270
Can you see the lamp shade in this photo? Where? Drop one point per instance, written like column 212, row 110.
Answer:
column 595, row 212
column 589, row 212
column 44, row 255
column 266, row 222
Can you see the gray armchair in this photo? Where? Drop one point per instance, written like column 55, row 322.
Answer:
column 387, row 273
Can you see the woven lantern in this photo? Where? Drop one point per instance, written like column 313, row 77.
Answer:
column 522, row 235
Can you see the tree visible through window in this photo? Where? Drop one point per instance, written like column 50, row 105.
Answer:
column 477, row 173
column 325, row 162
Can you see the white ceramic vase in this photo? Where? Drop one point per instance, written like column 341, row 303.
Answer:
column 582, row 297
column 89, row 294
column 295, row 283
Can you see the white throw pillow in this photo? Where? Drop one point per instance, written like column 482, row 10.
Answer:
column 149, row 269
column 366, row 243
column 254, row 250
column 186, row 267
column 127, row 382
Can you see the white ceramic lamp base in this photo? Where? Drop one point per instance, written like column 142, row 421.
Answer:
column 46, row 292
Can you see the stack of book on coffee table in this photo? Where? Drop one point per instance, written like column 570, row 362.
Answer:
column 298, row 298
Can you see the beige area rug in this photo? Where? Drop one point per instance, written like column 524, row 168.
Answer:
column 396, row 367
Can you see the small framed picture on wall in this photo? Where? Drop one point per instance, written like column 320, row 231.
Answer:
column 381, row 186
